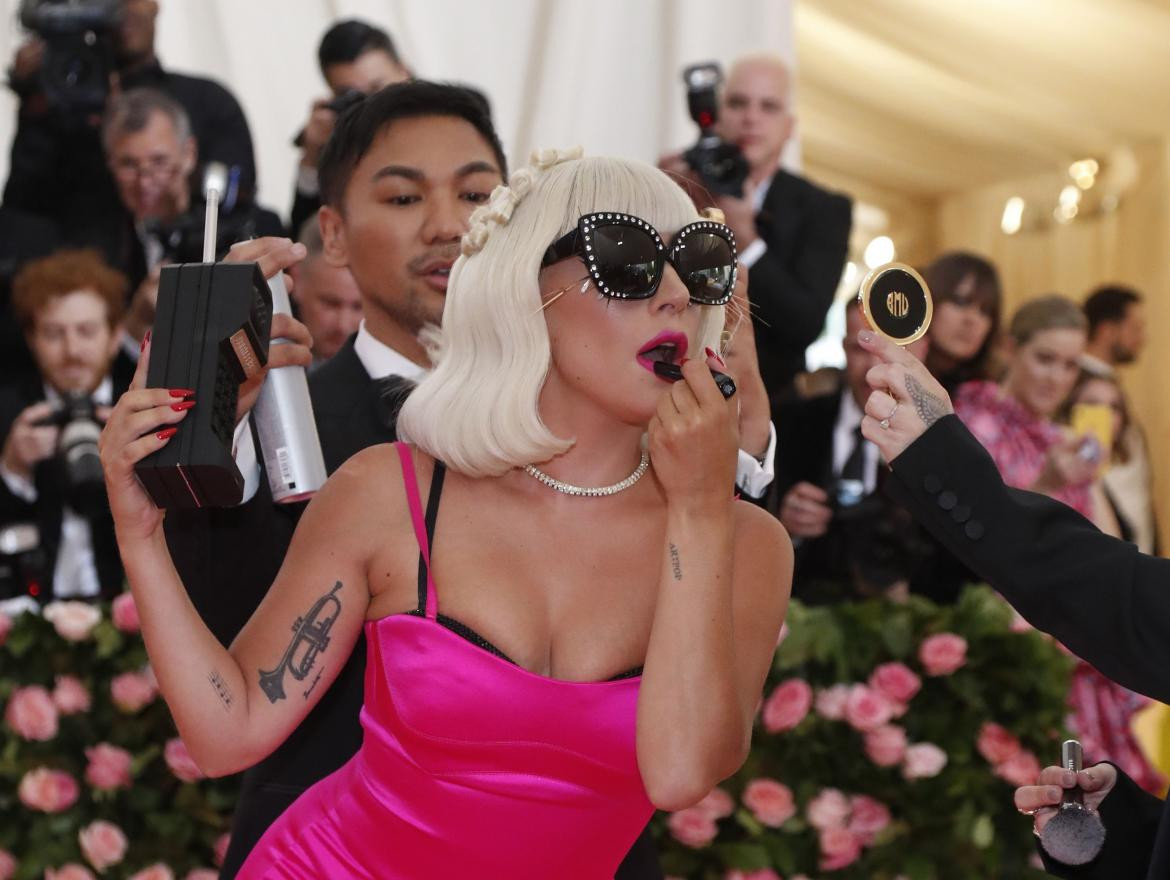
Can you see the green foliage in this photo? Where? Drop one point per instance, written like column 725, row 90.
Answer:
column 165, row 820
column 957, row 825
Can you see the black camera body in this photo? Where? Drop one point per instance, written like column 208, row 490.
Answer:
column 77, row 447
column 79, row 40
column 182, row 237
column 721, row 166
column 211, row 333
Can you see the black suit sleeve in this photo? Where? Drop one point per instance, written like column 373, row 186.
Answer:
column 1109, row 603
column 791, row 285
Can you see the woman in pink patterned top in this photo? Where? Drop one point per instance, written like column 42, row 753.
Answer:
column 1013, row 419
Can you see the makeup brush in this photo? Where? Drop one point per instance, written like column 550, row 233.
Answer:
column 1075, row 835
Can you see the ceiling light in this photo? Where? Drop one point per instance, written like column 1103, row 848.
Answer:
column 1013, row 215
column 1070, row 197
column 879, row 251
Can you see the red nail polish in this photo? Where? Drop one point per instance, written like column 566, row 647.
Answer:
column 146, row 340
column 182, row 407
column 181, row 392
column 712, row 354
column 142, row 345
column 166, row 433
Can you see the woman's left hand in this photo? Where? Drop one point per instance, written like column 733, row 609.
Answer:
column 693, row 437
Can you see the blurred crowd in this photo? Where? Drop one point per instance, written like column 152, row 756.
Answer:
column 101, row 197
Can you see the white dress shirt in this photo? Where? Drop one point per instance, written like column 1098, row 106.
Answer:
column 75, row 572
column 845, row 438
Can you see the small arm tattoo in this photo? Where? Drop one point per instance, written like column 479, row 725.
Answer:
column 221, row 688
column 930, row 408
column 310, row 638
column 675, row 563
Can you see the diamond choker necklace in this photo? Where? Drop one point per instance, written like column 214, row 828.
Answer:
column 587, row 491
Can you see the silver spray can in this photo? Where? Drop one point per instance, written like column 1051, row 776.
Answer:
column 285, row 423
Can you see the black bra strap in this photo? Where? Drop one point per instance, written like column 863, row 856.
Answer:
column 431, row 516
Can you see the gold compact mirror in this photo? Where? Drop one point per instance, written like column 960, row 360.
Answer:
column 896, row 302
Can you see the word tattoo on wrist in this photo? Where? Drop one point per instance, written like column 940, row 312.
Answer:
column 675, row 563
column 930, row 407
column 310, row 638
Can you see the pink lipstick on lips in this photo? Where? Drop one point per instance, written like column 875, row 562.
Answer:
column 670, row 346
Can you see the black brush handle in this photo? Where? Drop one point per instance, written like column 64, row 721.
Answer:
column 673, row 372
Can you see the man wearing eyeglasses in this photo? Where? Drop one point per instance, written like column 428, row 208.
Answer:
column 151, row 153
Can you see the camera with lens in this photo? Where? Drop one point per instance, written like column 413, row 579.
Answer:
column 79, row 40
column 182, row 237
column 77, row 449
column 721, row 165
column 339, row 104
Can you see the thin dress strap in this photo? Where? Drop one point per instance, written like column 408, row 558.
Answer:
column 428, row 599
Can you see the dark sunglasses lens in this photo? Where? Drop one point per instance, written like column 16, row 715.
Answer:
column 627, row 261
column 706, row 264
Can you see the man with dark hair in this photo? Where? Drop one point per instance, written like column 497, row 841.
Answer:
column 58, row 168
column 1117, row 333
column 355, row 58
column 1117, row 326
column 68, row 306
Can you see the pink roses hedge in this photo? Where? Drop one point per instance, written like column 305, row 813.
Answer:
column 875, row 714
column 103, row 785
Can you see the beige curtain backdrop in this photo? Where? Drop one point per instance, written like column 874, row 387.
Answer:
column 604, row 73
column 1128, row 244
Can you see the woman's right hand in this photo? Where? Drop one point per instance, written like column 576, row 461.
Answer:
column 140, row 423
column 1042, row 800
column 1065, row 465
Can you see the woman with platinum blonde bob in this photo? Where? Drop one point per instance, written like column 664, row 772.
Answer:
column 568, row 617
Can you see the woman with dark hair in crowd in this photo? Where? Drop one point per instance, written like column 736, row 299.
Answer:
column 967, row 304
column 1015, row 420
column 579, row 633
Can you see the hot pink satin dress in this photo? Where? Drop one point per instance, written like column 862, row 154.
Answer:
column 470, row 766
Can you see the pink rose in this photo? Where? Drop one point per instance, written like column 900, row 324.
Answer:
column 220, row 847
column 839, row 847
column 32, row 714
column 131, row 691
column 923, row 760
column 109, row 768
column 7, row 862
column 181, row 762
column 202, row 874
column 5, row 629
column 71, row 871
column 996, row 744
column 692, row 827
column 829, row 809
column 760, row 874
column 886, row 745
column 49, row 791
column 124, row 613
column 831, row 702
column 157, row 871
column 868, row 818
column 103, row 844
column 718, row 804
column 74, row 621
column 866, row 708
column 942, row 654
column 896, row 681
column 1022, row 768
column 70, row 696
column 787, row 706
column 1018, row 624
column 770, row 801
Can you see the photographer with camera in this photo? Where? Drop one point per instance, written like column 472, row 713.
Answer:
column 152, row 154
column 69, row 306
column 356, row 59
column 792, row 234
column 80, row 55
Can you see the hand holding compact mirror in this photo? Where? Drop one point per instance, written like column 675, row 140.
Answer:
column 896, row 303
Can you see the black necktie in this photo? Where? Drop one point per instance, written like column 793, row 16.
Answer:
column 851, row 480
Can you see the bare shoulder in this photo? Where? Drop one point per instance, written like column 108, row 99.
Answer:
column 755, row 527
column 370, row 485
column 763, row 556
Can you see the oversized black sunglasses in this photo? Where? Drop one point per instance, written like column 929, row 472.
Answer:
column 626, row 258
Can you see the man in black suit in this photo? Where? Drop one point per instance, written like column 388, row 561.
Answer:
column 850, row 542
column 1098, row 595
column 68, row 306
